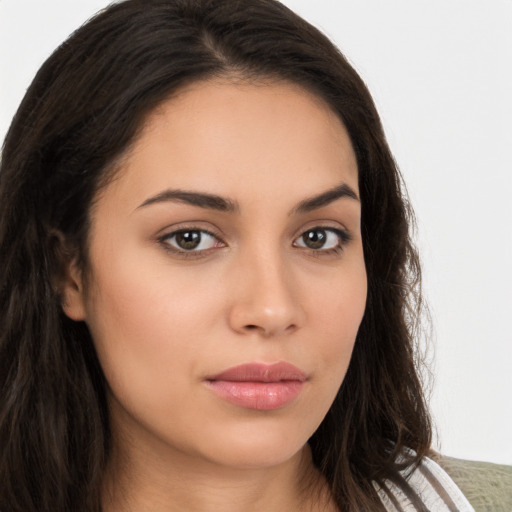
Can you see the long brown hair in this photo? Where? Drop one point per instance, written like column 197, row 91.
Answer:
column 82, row 111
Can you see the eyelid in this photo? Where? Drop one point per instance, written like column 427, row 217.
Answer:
column 171, row 232
column 342, row 233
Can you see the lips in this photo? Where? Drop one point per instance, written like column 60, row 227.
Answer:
column 259, row 386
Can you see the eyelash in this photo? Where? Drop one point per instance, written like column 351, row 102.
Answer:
column 164, row 241
column 343, row 236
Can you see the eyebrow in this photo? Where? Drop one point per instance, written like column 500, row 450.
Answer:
column 222, row 204
column 325, row 198
column 201, row 199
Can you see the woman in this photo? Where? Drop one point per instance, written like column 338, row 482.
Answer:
column 209, row 292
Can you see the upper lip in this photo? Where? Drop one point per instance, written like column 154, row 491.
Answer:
column 261, row 372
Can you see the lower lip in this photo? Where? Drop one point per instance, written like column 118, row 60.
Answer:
column 261, row 396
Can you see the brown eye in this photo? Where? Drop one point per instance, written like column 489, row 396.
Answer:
column 322, row 239
column 191, row 240
column 188, row 240
column 314, row 239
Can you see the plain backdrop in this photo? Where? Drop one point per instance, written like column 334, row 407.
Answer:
column 440, row 72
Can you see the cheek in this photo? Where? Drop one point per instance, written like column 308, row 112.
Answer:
column 338, row 312
column 145, row 337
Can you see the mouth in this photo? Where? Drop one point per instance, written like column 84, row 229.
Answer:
column 263, row 387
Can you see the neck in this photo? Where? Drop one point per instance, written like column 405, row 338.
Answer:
column 142, row 481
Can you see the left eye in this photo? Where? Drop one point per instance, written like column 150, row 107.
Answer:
column 191, row 240
column 320, row 239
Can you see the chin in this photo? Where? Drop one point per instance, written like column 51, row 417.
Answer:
column 256, row 445
column 254, row 457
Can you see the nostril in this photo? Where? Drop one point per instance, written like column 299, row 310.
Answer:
column 268, row 331
column 291, row 327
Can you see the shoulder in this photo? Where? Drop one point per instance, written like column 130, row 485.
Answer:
column 487, row 486
column 432, row 485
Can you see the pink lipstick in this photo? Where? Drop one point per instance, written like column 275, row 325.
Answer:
column 259, row 386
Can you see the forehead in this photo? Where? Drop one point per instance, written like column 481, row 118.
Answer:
column 237, row 139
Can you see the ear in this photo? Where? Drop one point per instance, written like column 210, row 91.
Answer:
column 72, row 292
column 68, row 278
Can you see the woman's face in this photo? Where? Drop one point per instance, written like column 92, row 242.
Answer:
column 230, row 237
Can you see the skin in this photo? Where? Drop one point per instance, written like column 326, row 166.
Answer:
column 163, row 319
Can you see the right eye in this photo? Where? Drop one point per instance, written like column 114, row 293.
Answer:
column 191, row 240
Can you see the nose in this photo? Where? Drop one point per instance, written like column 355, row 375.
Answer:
column 266, row 299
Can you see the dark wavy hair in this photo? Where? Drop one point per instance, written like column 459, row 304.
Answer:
column 83, row 110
